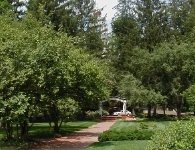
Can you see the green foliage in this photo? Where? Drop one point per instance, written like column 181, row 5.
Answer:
column 189, row 94
column 157, row 21
column 67, row 108
column 137, row 94
column 150, row 18
column 92, row 115
column 125, row 37
column 172, row 71
column 177, row 136
column 137, row 130
column 42, row 71
column 15, row 108
column 126, row 134
column 4, row 6
column 75, row 18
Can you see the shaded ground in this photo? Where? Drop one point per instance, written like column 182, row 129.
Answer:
column 77, row 141
column 119, row 145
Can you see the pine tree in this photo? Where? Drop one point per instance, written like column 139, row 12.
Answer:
column 74, row 17
column 91, row 25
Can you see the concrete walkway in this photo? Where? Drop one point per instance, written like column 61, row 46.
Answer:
column 79, row 140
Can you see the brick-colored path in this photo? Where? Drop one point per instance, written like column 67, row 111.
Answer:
column 80, row 140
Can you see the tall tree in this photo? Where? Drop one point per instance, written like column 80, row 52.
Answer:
column 74, row 17
column 126, row 38
column 91, row 25
column 179, row 11
column 151, row 19
column 151, row 16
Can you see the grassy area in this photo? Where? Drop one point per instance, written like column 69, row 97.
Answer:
column 129, row 145
column 43, row 130
column 151, row 124
column 119, row 145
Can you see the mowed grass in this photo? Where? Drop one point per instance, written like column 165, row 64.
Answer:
column 119, row 145
column 43, row 130
column 119, row 125
column 129, row 145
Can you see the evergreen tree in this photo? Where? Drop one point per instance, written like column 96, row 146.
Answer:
column 179, row 11
column 91, row 25
column 126, row 37
column 151, row 16
column 74, row 17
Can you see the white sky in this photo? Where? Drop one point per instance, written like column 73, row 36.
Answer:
column 108, row 8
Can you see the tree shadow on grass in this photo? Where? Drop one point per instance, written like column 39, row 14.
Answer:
column 45, row 132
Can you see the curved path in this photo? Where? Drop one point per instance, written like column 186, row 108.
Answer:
column 79, row 140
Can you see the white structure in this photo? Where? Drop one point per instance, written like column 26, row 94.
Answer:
column 116, row 99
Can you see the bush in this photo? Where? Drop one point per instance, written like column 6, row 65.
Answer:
column 125, row 134
column 92, row 115
column 177, row 136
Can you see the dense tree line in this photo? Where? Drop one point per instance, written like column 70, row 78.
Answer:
column 44, row 72
column 51, row 58
column 153, row 42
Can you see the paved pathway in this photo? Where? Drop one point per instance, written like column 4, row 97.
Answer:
column 79, row 140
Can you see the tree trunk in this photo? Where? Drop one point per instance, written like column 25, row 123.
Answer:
column 149, row 110
column 164, row 110
column 3, row 125
column 154, row 112
column 194, row 110
column 9, row 131
column 133, row 111
column 24, row 130
column 179, row 113
column 17, row 131
column 54, row 115
column 179, row 106
column 56, row 127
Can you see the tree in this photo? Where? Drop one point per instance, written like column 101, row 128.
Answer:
column 42, row 70
column 172, row 72
column 137, row 95
column 75, row 18
column 189, row 95
column 151, row 16
column 126, row 38
column 179, row 12
column 151, row 19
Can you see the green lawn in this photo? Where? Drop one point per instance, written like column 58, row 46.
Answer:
column 119, row 145
column 151, row 124
column 129, row 145
column 43, row 130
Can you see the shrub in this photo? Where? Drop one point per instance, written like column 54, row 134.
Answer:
column 177, row 136
column 125, row 134
column 92, row 115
